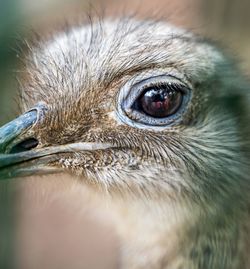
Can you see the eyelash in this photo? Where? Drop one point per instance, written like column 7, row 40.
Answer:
column 171, row 86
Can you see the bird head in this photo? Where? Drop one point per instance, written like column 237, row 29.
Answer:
column 133, row 107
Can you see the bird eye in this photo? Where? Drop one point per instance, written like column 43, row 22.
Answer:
column 160, row 101
column 157, row 101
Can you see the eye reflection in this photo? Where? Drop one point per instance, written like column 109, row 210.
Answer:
column 160, row 101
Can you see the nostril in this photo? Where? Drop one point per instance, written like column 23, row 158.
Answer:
column 25, row 145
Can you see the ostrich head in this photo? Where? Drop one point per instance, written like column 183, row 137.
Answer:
column 134, row 108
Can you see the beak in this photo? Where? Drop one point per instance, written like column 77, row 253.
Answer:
column 16, row 127
column 34, row 161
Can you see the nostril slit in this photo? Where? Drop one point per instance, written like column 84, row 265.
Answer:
column 25, row 145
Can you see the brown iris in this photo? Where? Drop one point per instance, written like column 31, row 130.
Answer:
column 161, row 101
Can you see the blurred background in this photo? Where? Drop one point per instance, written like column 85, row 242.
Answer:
column 29, row 228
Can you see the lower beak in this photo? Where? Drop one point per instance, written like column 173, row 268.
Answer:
column 35, row 161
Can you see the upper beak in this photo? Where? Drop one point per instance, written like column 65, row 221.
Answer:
column 16, row 127
column 33, row 161
column 12, row 165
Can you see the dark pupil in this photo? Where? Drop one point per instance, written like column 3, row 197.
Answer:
column 161, row 101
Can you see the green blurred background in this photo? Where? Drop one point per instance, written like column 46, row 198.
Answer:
column 9, row 19
column 226, row 21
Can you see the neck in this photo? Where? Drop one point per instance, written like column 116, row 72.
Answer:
column 173, row 236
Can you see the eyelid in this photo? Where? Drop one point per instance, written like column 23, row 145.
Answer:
column 131, row 91
column 136, row 89
column 170, row 86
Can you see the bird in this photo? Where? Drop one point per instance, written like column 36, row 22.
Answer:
column 154, row 120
